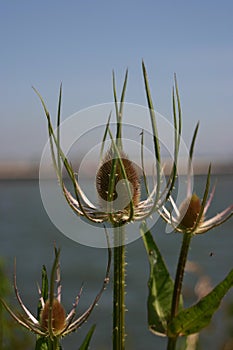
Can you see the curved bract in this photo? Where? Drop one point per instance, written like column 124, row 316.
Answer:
column 190, row 217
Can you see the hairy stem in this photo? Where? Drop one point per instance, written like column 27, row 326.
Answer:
column 119, row 289
column 178, row 284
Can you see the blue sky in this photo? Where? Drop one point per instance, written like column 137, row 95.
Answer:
column 80, row 42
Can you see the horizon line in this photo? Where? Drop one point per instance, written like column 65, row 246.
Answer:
column 30, row 170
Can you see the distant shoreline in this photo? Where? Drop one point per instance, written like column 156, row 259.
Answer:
column 30, row 170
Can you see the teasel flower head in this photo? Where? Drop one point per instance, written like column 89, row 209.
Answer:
column 191, row 216
column 189, row 211
column 119, row 195
column 118, row 183
column 52, row 321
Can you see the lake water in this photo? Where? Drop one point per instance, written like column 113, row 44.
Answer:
column 28, row 234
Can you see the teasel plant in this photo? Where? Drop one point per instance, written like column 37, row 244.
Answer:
column 52, row 323
column 118, row 186
column 166, row 313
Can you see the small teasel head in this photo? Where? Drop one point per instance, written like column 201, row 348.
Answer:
column 52, row 321
column 58, row 315
column 189, row 211
column 120, row 199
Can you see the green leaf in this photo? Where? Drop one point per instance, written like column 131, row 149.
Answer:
column 87, row 339
column 160, row 286
column 195, row 318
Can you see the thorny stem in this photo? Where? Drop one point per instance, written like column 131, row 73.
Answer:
column 119, row 289
column 178, row 284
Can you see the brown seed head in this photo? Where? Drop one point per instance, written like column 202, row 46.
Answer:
column 103, row 176
column 189, row 211
column 58, row 317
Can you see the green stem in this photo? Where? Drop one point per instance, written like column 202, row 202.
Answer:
column 178, row 284
column 119, row 289
column 180, row 273
column 171, row 345
column 1, row 328
column 54, row 344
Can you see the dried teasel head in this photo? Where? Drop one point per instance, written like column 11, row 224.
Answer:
column 189, row 211
column 120, row 198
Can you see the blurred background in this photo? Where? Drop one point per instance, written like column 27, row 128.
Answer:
column 79, row 44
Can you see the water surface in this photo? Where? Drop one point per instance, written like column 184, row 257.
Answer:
column 27, row 233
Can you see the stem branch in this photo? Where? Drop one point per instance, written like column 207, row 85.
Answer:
column 178, row 284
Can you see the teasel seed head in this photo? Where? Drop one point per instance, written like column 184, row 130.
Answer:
column 119, row 194
column 189, row 211
column 58, row 317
